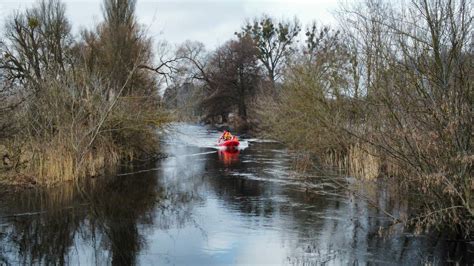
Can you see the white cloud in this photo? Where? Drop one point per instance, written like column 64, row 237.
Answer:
column 209, row 21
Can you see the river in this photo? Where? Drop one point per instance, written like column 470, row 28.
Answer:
column 203, row 206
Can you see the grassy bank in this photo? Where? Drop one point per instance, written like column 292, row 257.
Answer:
column 74, row 141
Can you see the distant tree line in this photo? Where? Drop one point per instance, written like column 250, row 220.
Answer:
column 231, row 76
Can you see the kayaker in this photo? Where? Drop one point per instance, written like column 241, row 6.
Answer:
column 226, row 135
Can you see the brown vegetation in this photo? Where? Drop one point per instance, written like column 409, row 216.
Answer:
column 390, row 94
column 73, row 108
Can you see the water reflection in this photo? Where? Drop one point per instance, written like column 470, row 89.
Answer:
column 203, row 206
column 104, row 222
column 229, row 156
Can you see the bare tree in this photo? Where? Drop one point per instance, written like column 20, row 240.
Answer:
column 234, row 68
column 40, row 40
column 420, row 101
column 230, row 75
column 274, row 40
column 118, row 43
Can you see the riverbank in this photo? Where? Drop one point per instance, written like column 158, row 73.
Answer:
column 16, row 182
column 75, row 106
column 86, row 148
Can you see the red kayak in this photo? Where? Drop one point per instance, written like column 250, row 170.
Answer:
column 232, row 143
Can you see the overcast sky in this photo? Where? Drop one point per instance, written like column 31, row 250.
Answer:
column 209, row 21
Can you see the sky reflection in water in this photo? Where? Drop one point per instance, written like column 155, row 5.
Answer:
column 204, row 206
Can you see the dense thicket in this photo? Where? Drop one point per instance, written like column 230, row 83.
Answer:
column 391, row 94
column 72, row 107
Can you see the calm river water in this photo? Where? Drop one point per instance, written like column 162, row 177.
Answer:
column 202, row 206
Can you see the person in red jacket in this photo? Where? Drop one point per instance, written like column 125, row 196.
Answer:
column 226, row 136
